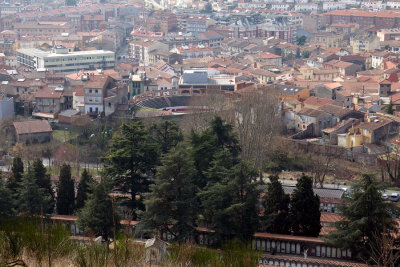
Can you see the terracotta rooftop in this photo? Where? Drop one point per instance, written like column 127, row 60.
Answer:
column 317, row 101
column 48, row 92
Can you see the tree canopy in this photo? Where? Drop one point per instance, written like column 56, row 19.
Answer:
column 276, row 208
column 96, row 217
column 171, row 205
column 365, row 217
column 131, row 160
column 304, row 209
column 65, row 192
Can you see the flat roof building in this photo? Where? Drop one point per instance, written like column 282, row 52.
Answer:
column 59, row 60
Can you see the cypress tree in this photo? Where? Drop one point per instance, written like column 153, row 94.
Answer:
column 83, row 189
column 304, row 212
column 65, row 192
column 42, row 179
column 276, row 208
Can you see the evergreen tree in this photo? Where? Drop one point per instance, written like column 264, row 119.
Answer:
column 304, row 212
column 32, row 198
column 5, row 198
column 298, row 53
column 83, row 189
column 389, row 108
column 65, row 192
column 230, row 206
column 96, row 217
column 42, row 179
column 166, row 135
column 131, row 160
column 171, row 205
column 365, row 217
column 209, row 144
column 17, row 171
column 301, row 40
column 276, row 208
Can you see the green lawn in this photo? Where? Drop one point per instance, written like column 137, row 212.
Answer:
column 63, row 135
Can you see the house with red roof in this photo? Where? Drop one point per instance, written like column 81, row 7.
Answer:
column 266, row 56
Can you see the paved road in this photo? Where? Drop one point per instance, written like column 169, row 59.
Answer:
column 330, row 186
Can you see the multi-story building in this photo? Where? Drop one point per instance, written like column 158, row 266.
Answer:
column 388, row 34
column 91, row 22
column 251, row 5
column 59, row 60
column 286, row 32
column 95, row 87
column 329, row 6
column 193, row 51
column 362, row 43
column 213, row 38
column 42, row 28
column 329, row 39
column 393, row 4
column 306, row 7
column 140, row 50
column 380, row 20
column 194, row 24
column 280, row 6
column 373, row 5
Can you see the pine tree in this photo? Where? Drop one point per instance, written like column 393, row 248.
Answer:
column 131, row 160
column 276, row 208
column 83, row 189
column 171, row 205
column 5, row 198
column 42, row 179
column 96, row 217
column 230, row 206
column 365, row 217
column 166, row 135
column 31, row 198
column 65, row 192
column 17, row 169
column 304, row 212
column 206, row 146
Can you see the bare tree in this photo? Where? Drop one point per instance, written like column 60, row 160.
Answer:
column 384, row 251
column 390, row 165
column 257, row 120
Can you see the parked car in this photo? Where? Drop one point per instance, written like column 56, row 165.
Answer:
column 385, row 196
column 394, row 197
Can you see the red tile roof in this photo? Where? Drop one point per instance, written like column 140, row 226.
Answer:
column 317, row 101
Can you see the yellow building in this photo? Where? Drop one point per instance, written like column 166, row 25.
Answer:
column 329, row 39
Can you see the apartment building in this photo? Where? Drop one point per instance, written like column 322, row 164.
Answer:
column 42, row 28
column 60, row 60
column 140, row 50
column 384, row 19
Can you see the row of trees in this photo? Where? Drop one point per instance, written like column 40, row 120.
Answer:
column 30, row 191
column 177, row 184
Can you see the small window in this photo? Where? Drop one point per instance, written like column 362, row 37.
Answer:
column 90, row 91
column 96, row 91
